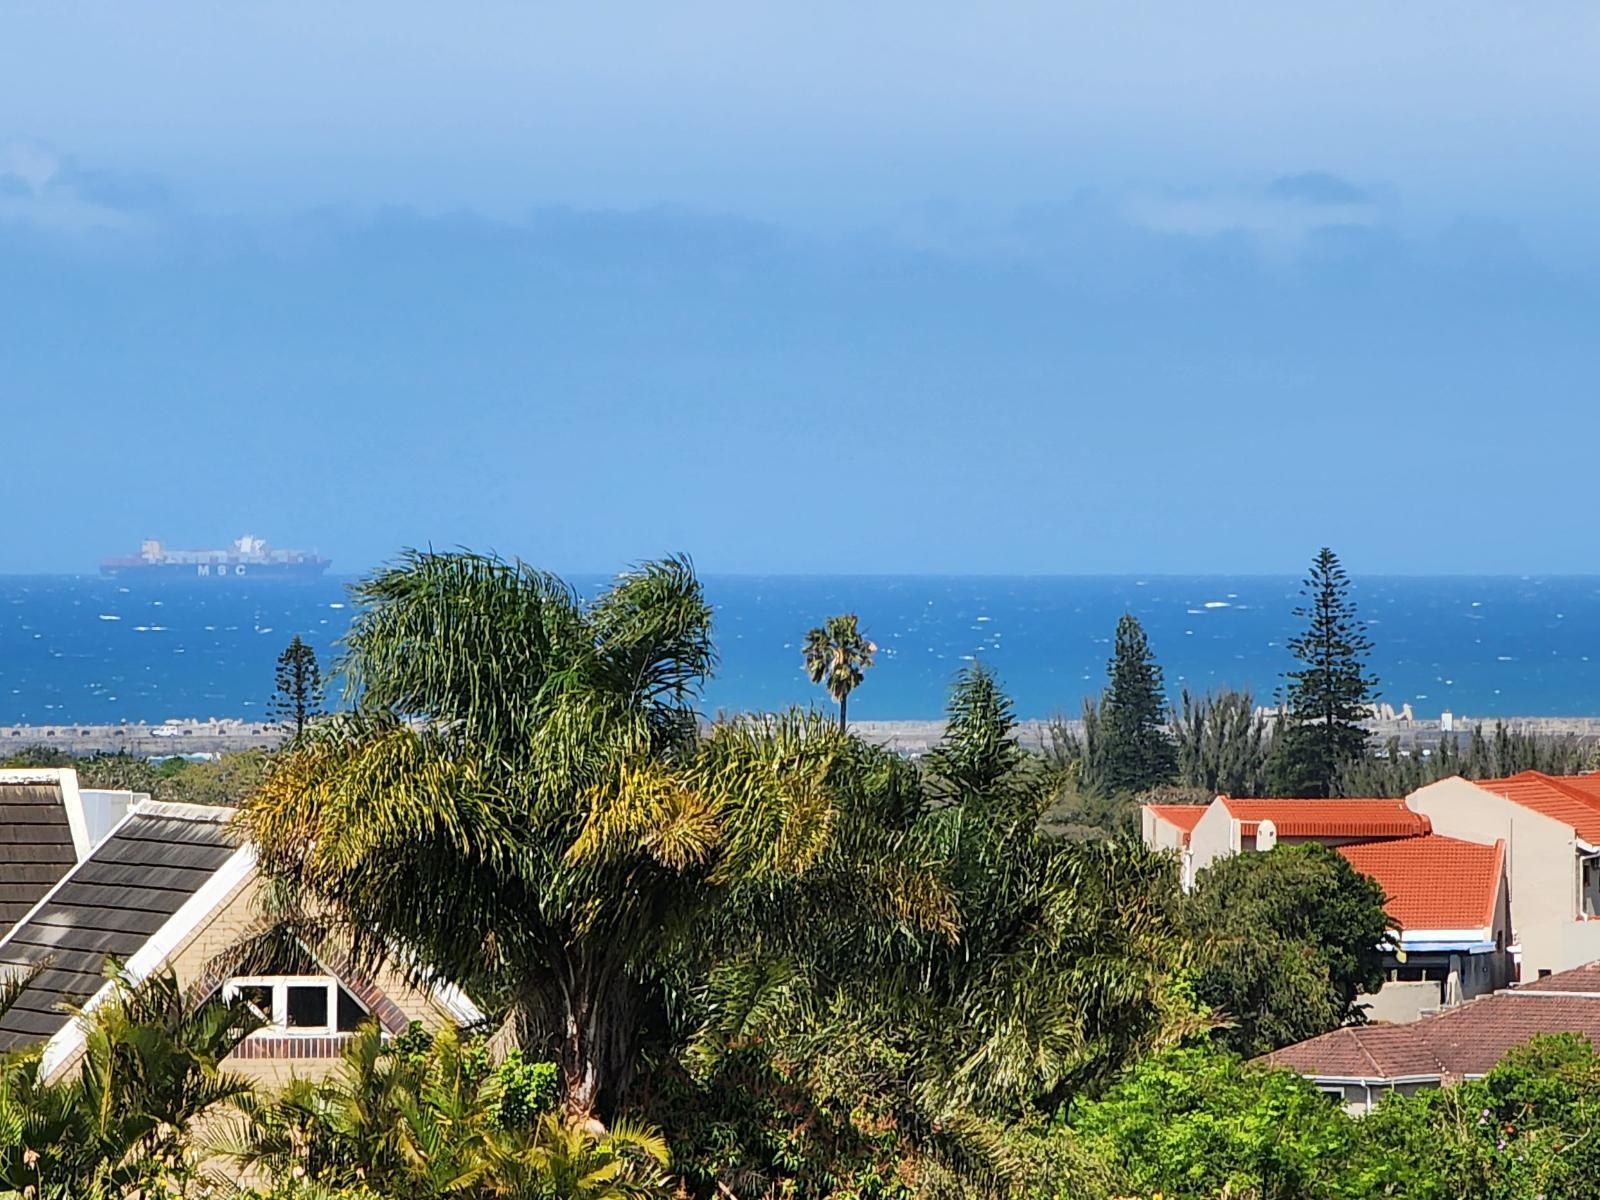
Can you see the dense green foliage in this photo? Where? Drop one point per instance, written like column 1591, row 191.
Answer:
column 150, row 1113
column 1391, row 771
column 1192, row 1122
column 1329, row 694
column 224, row 780
column 1223, row 745
column 837, row 655
column 831, row 1061
column 1135, row 743
column 1195, row 1125
column 1288, row 939
column 122, row 1123
column 440, row 1120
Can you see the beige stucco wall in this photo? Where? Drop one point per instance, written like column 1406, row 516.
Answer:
column 1541, row 870
column 233, row 919
column 1399, row 1002
column 1160, row 834
column 1213, row 837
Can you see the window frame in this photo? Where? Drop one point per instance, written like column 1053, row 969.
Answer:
column 278, row 1019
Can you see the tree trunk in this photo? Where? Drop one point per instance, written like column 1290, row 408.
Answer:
column 590, row 1013
column 843, row 701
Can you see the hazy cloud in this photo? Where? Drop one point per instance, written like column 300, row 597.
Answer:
column 42, row 188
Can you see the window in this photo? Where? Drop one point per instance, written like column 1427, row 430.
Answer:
column 310, row 1004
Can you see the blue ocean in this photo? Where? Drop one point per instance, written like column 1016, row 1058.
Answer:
column 89, row 650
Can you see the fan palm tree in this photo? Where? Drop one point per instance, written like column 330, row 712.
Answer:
column 522, row 802
column 837, row 655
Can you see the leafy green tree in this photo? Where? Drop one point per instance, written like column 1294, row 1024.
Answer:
column 1196, row 1124
column 524, row 804
column 1330, row 693
column 297, row 692
column 902, row 1059
column 1286, row 939
column 1136, row 745
column 1222, row 744
column 837, row 655
column 979, row 749
column 1525, row 1131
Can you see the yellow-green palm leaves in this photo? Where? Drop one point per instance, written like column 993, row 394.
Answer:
column 522, row 801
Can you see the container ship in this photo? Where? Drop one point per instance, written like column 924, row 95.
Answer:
column 248, row 558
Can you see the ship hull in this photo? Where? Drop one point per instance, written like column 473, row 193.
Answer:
column 218, row 572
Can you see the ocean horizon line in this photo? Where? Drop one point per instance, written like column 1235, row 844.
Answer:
column 1155, row 576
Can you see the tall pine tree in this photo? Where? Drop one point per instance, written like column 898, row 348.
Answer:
column 1330, row 694
column 297, row 696
column 1136, row 749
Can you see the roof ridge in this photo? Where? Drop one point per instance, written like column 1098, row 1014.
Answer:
column 1571, row 793
column 214, row 813
column 1496, row 873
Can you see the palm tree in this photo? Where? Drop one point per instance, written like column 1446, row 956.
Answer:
column 428, row 1124
column 150, row 1073
column 837, row 656
column 521, row 801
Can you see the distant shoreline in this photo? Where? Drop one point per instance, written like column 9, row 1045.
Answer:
column 223, row 735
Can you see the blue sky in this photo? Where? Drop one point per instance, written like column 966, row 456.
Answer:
column 902, row 287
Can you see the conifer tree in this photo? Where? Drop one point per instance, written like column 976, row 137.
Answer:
column 979, row 748
column 1136, row 747
column 297, row 697
column 1330, row 694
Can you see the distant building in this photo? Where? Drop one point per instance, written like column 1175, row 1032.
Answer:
column 1551, row 827
column 1447, row 895
column 1360, row 1063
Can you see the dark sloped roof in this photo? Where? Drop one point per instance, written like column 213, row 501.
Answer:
column 129, row 887
column 1580, row 979
column 35, row 845
column 1466, row 1040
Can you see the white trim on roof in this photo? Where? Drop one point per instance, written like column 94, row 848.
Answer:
column 66, row 779
column 457, row 1003
column 69, row 1039
column 1370, row 1080
column 1463, row 936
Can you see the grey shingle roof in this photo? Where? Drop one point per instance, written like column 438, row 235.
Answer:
column 129, row 887
column 35, row 846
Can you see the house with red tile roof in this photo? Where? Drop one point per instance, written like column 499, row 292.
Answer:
column 1447, row 896
column 1167, row 827
column 1452, row 921
column 1230, row 826
column 1551, row 829
column 1360, row 1063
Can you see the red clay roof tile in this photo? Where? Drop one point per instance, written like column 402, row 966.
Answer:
column 1184, row 816
column 1574, row 800
column 1330, row 818
column 1433, row 882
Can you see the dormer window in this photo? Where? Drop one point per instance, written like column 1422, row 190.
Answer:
column 299, row 1004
